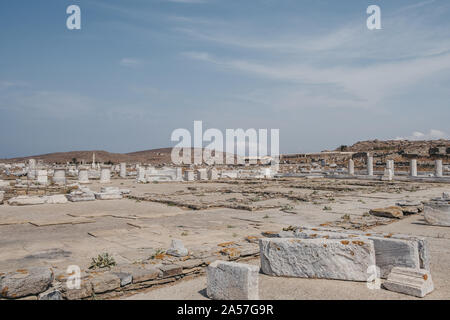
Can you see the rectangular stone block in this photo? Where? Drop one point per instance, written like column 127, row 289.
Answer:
column 139, row 274
column 232, row 281
column 105, row 282
column 405, row 250
column 171, row 270
column 414, row 282
column 56, row 199
column 389, row 252
column 26, row 200
column 346, row 259
column 108, row 196
column 85, row 291
column 125, row 278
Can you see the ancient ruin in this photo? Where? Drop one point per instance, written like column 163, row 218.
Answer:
column 353, row 215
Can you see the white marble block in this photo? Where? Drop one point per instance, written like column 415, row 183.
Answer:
column 189, row 175
column 123, row 170
column 413, row 168
column 345, row 259
column 83, row 175
column 351, row 167
column 438, row 168
column 232, row 281
column 437, row 212
column 59, row 176
column 105, row 175
column 413, row 282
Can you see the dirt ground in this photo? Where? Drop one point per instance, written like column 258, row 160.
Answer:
column 133, row 229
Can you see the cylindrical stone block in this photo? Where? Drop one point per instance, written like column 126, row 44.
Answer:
column 59, row 176
column 105, row 175
column 351, row 167
column 369, row 165
column 413, row 168
column 83, row 175
column 438, row 168
column 123, row 170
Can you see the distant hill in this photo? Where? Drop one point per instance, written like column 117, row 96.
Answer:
column 399, row 148
column 153, row 156
column 149, row 156
column 402, row 147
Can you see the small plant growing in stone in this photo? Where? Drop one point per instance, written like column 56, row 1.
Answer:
column 102, row 261
column 326, row 208
column 230, row 226
column 345, row 217
column 184, row 233
column 157, row 254
column 287, row 208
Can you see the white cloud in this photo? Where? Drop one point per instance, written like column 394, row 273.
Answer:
column 353, row 67
column 365, row 85
column 187, row 1
column 433, row 134
column 130, row 62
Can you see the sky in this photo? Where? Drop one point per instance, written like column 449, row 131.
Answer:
column 139, row 69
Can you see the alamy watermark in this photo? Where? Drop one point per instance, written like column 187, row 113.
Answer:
column 235, row 147
column 73, row 22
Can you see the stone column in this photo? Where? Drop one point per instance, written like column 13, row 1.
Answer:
column 351, row 167
column 42, row 176
column 179, row 174
column 140, row 177
column 438, row 168
column 83, row 175
column 202, row 174
column 123, row 170
column 31, row 175
column 189, row 175
column 390, row 165
column 105, row 175
column 413, row 168
column 369, row 165
column 213, row 174
column 59, row 176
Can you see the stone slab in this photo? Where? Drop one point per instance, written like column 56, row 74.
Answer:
column 26, row 200
column 171, row 270
column 420, row 242
column 105, row 282
column 437, row 213
column 347, row 259
column 25, row 282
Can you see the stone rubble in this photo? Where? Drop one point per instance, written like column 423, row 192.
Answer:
column 177, row 249
column 389, row 212
column 82, row 194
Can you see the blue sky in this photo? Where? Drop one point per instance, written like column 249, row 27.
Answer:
column 139, row 69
